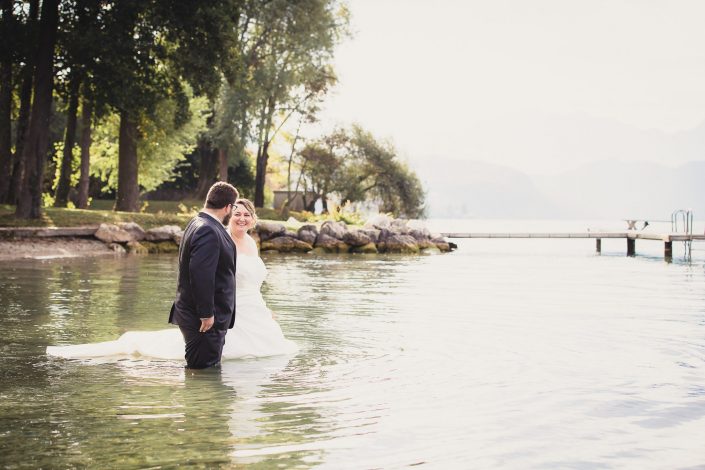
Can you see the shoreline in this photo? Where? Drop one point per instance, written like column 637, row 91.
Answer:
column 51, row 248
column 385, row 235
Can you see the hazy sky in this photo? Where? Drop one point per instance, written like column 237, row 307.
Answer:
column 460, row 79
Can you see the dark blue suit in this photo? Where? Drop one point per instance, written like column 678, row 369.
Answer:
column 206, row 287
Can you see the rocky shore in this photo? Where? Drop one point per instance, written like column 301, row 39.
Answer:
column 380, row 234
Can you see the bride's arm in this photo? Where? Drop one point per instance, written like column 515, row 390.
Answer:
column 253, row 244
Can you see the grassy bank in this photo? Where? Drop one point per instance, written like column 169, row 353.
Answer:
column 59, row 217
column 156, row 213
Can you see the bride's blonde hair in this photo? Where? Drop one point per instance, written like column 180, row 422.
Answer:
column 247, row 204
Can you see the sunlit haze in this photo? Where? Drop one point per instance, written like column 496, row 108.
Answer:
column 515, row 108
column 541, row 86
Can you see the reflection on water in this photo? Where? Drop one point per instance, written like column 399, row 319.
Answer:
column 520, row 354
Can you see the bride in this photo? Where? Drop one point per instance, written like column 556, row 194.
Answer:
column 255, row 334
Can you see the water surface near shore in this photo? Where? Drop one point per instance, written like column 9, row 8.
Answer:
column 503, row 354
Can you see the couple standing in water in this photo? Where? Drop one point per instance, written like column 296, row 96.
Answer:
column 218, row 289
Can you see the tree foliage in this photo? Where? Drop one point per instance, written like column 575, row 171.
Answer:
column 159, row 155
column 357, row 167
column 147, row 81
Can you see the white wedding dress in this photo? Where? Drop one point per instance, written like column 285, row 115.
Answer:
column 255, row 334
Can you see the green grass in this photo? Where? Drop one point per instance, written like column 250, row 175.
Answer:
column 59, row 217
column 155, row 214
column 151, row 207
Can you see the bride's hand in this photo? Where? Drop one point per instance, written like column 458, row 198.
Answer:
column 274, row 315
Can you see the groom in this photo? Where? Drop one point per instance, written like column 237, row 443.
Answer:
column 204, row 307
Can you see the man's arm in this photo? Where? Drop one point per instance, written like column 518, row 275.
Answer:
column 203, row 264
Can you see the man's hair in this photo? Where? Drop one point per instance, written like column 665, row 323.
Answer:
column 220, row 195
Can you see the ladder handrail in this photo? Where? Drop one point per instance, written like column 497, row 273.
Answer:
column 686, row 215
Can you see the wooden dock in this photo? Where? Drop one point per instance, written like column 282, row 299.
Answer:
column 631, row 236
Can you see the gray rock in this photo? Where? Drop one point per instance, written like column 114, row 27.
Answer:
column 136, row 248
column 308, row 234
column 164, row 246
column 163, row 233
column 286, row 245
column 383, row 235
column 330, row 244
column 117, row 248
column 373, row 233
column 110, row 233
column 356, row 238
column 379, row 222
column 269, row 230
column 370, row 248
column 441, row 244
column 422, row 237
column 400, row 226
column 425, row 243
column 420, row 234
column 399, row 243
column 177, row 237
column 137, row 232
column 334, row 229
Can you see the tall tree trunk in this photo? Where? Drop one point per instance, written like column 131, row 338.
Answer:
column 261, row 170
column 17, row 170
column 263, row 151
column 222, row 165
column 35, row 149
column 6, row 105
column 85, row 143
column 206, row 169
column 64, row 184
column 261, row 174
column 289, row 195
column 127, row 190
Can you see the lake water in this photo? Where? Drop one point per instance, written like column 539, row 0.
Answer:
column 503, row 354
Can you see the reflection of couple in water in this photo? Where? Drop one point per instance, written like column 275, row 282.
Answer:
column 220, row 274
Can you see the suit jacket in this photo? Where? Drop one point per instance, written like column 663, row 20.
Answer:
column 206, row 284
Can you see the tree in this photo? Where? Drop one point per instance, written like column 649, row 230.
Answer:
column 357, row 167
column 159, row 155
column 117, row 64
column 34, row 152
column 25, row 49
column 292, row 68
column 80, row 29
column 7, row 31
column 323, row 168
column 150, row 51
column 85, row 144
column 377, row 173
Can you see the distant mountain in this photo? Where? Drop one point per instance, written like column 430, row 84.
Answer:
column 607, row 189
column 546, row 144
column 457, row 188
column 620, row 189
column 599, row 168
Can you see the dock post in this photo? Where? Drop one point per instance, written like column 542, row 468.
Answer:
column 598, row 245
column 631, row 247
column 668, row 250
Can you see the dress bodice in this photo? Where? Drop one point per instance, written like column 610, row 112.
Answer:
column 249, row 273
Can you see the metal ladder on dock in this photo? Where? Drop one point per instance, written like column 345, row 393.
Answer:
column 685, row 217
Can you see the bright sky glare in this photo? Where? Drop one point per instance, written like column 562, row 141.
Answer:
column 438, row 77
